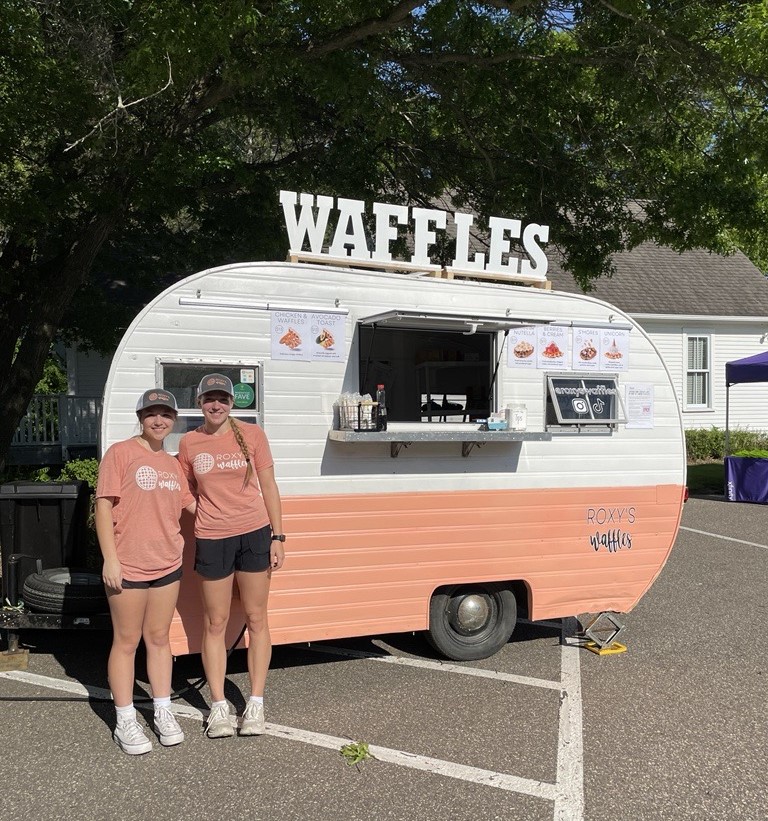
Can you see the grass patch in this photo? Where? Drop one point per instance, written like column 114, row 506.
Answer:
column 706, row 477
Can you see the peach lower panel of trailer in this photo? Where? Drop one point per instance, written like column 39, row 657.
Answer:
column 362, row 564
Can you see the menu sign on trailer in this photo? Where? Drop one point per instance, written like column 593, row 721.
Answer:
column 552, row 347
column 310, row 336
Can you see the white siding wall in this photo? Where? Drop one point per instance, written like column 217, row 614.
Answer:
column 729, row 341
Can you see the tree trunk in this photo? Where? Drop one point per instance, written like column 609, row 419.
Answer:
column 37, row 334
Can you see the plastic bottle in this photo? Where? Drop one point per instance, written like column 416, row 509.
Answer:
column 381, row 398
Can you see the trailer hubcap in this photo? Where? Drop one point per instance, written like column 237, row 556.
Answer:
column 469, row 613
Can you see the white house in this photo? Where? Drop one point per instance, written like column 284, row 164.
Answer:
column 701, row 310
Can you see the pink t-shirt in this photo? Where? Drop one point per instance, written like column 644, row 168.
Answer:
column 215, row 468
column 149, row 491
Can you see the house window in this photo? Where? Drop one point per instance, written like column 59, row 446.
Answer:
column 698, row 373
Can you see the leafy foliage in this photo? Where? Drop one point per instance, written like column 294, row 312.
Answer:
column 708, row 444
column 140, row 142
column 355, row 753
column 83, row 470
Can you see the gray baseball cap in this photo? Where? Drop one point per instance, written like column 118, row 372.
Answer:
column 215, row 382
column 156, row 396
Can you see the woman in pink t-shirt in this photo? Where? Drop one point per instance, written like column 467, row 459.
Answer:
column 139, row 498
column 239, row 534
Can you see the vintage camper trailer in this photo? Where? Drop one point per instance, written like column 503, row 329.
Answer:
column 436, row 523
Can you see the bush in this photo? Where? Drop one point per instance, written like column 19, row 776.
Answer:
column 708, row 444
column 754, row 454
column 84, row 470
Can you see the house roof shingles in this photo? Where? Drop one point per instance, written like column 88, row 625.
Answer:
column 653, row 279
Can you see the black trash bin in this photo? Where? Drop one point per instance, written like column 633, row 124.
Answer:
column 42, row 520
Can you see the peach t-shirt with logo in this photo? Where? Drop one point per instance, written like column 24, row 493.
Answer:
column 215, row 468
column 149, row 491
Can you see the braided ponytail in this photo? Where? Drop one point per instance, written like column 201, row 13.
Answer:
column 240, row 439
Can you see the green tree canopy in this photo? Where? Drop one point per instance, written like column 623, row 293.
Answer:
column 141, row 140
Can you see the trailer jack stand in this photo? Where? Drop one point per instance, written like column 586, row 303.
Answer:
column 14, row 658
column 603, row 632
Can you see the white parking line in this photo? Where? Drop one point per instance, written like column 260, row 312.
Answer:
column 569, row 804
column 434, row 665
column 724, row 538
column 450, row 769
column 569, row 787
column 567, row 793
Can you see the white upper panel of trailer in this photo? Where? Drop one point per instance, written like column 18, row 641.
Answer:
column 223, row 316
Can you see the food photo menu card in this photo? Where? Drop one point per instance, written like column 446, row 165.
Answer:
column 552, row 347
column 521, row 348
column 586, row 344
column 614, row 350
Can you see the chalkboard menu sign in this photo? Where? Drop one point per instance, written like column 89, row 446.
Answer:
column 593, row 400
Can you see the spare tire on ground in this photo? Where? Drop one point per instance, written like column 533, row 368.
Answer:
column 65, row 590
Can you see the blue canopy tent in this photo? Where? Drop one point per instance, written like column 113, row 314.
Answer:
column 750, row 369
column 746, row 478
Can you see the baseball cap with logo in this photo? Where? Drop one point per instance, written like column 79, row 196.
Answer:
column 215, row 382
column 156, row 396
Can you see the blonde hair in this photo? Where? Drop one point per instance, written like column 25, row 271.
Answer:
column 240, row 439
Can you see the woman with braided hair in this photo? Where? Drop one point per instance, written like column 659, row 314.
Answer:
column 239, row 534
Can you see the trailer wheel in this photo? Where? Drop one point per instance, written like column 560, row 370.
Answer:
column 469, row 622
column 65, row 590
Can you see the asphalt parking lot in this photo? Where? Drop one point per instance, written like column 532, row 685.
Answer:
column 672, row 729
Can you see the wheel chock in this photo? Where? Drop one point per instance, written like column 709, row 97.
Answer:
column 608, row 650
column 602, row 634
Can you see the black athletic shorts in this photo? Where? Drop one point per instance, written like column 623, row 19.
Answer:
column 161, row 582
column 219, row 558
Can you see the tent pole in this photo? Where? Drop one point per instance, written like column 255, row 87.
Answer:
column 727, row 408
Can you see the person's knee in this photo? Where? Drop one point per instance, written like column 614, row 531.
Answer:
column 126, row 642
column 256, row 620
column 156, row 638
column 216, row 623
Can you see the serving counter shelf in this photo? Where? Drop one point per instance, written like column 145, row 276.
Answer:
column 399, row 438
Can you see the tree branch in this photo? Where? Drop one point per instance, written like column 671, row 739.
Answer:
column 350, row 35
column 121, row 107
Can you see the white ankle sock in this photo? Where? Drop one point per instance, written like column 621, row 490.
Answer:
column 257, row 699
column 124, row 714
column 165, row 701
column 218, row 703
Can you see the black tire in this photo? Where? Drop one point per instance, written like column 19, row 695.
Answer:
column 469, row 622
column 65, row 590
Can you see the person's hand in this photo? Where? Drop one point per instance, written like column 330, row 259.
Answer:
column 276, row 555
column 112, row 575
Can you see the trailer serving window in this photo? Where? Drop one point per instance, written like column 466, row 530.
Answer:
column 576, row 401
column 436, row 367
column 182, row 376
column 432, row 371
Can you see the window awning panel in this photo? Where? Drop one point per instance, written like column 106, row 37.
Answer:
column 463, row 323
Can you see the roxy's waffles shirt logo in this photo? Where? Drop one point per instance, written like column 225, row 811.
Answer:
column 147, row 478
column 205, row 462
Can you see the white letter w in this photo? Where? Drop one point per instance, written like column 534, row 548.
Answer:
column 305, row 226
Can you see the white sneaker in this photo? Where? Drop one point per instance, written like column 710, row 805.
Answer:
column 219, row 723
column 252, row 722
column 167, row 728
column 131, row 738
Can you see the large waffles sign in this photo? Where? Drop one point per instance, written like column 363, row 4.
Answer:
column 309, row 219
